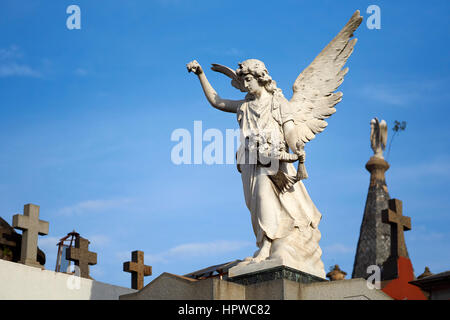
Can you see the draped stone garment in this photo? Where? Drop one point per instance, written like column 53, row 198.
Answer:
column 289, row 219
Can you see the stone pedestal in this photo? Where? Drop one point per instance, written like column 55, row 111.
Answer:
column 265, row 265
column 278, row 272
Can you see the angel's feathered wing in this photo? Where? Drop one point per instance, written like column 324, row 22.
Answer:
column 383, row 133
column 374, row 134
column 314, row 97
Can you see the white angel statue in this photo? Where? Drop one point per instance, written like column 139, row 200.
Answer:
column 284, row 218
column 378, row 137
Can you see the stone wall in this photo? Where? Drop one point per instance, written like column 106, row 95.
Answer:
column 21, row 282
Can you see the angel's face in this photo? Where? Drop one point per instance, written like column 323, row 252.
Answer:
column 251, row 84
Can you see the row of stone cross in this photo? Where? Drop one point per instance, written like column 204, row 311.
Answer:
column 32, row 227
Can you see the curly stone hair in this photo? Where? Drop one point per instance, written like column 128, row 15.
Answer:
column 258, row 70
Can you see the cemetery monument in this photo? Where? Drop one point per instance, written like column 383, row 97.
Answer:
column 284, row 218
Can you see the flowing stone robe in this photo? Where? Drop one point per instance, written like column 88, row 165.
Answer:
column 290, row 220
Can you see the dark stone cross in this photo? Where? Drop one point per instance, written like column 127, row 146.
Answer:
column 31, row 227
column 137, row 269
column 82, row 257
column 399, row 224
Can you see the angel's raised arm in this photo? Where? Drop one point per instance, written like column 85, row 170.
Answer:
column 214, row 99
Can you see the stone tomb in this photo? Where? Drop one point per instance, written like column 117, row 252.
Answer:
column 279, row 283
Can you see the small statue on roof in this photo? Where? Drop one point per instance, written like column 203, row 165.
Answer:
column 336, row 274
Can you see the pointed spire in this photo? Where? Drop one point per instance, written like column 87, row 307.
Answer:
column 374, row 244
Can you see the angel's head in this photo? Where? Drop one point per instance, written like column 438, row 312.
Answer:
column 253, row 73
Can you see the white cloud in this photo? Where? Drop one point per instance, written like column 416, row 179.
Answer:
column 233, row 52
column 123, row 255
column 338, row 248
column 188, row 250
column 423, row 234
column 388, row 94
column 91, row 206
column 438, row 167
column 12, row 52
column 405, row 94
column 206, row 248
column 12, row 69
column 98, row 240
column 96, row 272
column 9, row 67
column 81, row 72
column 46, row 243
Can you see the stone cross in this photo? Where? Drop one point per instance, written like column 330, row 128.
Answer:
column 137, row 269
column 31, row 227
column 393, row 215
column 82, row 257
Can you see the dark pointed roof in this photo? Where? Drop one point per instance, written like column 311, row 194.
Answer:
column 374, row 244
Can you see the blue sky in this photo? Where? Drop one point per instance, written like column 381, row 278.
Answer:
column 86, row 118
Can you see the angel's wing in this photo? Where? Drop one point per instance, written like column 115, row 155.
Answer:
column 383, row 134
column 235, row 81
column 314, row 98
column 374, row 128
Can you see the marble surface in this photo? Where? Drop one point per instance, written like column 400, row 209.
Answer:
column 284, row 218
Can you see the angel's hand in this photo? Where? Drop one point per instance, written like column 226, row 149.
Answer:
column 195, row 67
column 301, row 156
column 300, row 152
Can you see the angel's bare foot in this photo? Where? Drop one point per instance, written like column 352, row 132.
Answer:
column 263, row 252
column 246, row 261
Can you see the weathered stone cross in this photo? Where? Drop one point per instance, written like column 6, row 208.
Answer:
column 82, row 257
column 399, row 223
column 31, row 227
column 137, row 269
